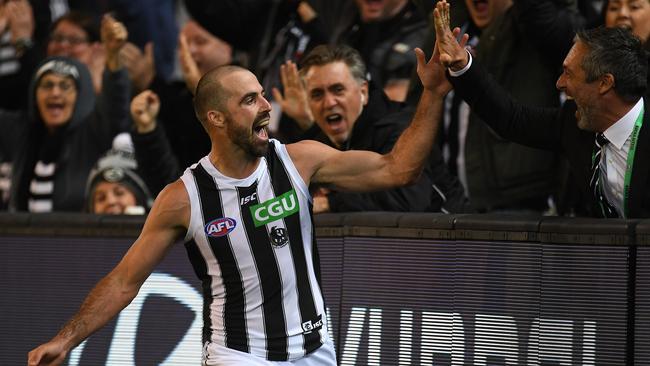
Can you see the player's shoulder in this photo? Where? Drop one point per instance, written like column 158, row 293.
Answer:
column 305, row 147
column 174, row 200
column 174, row 188
column 309, row 156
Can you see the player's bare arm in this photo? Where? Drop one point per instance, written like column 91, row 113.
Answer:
column 166, row 223
column 367, row 171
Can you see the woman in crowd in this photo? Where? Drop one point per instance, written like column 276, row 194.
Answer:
column 54, row 144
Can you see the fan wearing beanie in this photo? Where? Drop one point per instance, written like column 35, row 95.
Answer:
column 114, row 185
column 53, row 145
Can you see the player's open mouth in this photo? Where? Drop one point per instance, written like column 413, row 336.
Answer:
column 261, row 129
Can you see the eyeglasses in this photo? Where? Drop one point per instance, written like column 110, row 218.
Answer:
column 64, row 86
column 72, row 40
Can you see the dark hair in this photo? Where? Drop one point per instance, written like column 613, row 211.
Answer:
column 210, row 92
column 327, row 54
column 618, row 52
column 83, row 20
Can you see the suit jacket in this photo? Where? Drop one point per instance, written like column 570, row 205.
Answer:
column 554, row 129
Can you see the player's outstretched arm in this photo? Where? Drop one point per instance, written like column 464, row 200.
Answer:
column 166, row 222
column 367, row 171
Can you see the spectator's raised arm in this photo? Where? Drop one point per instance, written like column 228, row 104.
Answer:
column 294, row 101
column 190, row 70
column 153, row 152
column 140, row 65
column 113, row 101
column 114, row 36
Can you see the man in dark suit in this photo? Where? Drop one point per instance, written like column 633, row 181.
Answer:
column 600, row 128
column 333, row 102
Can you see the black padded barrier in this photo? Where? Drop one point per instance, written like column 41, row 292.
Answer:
column 642, row 305
column 400, row 288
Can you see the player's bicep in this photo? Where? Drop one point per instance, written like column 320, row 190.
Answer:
column 353, row 170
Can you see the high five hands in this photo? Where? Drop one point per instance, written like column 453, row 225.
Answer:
column 451, row 50
column 448, row 52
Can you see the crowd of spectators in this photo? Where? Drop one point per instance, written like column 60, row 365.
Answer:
column 96, row 98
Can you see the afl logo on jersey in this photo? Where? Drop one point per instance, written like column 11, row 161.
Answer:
column 220, row 227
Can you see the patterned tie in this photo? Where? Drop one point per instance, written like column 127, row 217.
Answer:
column 607, row 209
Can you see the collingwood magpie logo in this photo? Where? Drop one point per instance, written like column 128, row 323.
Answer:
column 279, row 237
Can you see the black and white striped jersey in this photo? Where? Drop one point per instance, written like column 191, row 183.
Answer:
column 251, row 242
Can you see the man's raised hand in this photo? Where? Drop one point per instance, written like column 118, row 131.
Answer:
column 294, row 102
column 452, row 51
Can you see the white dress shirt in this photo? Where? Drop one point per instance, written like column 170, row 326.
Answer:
column 614, row 163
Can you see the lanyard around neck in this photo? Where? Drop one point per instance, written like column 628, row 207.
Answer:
column 630, row 162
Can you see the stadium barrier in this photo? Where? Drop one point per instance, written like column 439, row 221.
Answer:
column 401, row 289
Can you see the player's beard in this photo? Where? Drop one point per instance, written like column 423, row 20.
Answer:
column 246, row 138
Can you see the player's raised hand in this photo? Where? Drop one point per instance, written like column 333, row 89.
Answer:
column 452, row 51
column 432, row 72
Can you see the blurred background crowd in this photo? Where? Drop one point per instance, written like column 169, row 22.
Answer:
column 96, row 109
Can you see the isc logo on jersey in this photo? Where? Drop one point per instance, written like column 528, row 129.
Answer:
column 220, row 227
column 312, row 325
column 249, row 198
column 275, row 208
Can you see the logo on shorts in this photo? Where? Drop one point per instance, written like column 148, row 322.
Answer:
column 275, row 208
column 220, row 227
column 312, row 325
column 279, row 237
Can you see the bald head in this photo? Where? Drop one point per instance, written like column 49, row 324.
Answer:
column 210, row 91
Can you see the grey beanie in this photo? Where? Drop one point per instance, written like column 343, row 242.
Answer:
column 118, row 165
column 58, row 66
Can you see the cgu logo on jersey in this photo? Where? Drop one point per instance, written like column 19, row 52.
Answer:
column 275, row 208
column 220, row 227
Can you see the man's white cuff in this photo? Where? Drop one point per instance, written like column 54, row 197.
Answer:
column 464, row 69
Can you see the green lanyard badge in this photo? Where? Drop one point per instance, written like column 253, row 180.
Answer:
column 630, row 162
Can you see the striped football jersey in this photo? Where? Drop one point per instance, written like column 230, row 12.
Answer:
column 251, row 242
